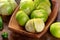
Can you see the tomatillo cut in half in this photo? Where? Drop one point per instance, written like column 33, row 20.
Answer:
column 35, row 25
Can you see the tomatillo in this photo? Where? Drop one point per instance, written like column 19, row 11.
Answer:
column 55, row 29
column 21, row 17
column 27, row 6
column 41, row 13
column 35, row 25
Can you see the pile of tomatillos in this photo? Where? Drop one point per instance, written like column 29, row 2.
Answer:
column 32, row 15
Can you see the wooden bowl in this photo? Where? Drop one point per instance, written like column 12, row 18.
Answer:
column 14, row 26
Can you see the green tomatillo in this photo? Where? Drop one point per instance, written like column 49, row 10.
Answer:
column 37, row 2
column 21, row 17
column 41, row 13
column 45, row 7
column 27, row 6
column 7, row 7
column 55, row 29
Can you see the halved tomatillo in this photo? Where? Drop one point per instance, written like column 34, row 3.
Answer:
column 35, row 25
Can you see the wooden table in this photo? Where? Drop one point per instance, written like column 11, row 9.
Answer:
column 15, row 36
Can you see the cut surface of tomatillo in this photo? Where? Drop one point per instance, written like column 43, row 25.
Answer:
column 35, row 25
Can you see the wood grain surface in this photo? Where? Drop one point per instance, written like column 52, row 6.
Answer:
column 15, row 36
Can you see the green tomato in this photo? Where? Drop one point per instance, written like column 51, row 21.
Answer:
column 45, row 7
column 27, row 6
column 6, row 9
column 35, row 25
column 13, row 4
column 55, row 29
column 47, row 2
column 40, row 14
column 21, row 17
column 9, row 10
column 37, row 2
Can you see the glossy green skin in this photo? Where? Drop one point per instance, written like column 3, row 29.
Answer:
column 45, row 7
column 40, row 14
column 4, row 35
column 37, row 2
column 22, row 18
column 27, row 6
column 55, row 29
column 1, row 23
column 43, row 4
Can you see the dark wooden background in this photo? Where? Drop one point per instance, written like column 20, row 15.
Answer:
column 15, row 36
